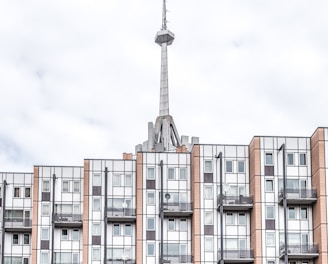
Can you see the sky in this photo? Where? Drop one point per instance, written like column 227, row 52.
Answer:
column 79, row 79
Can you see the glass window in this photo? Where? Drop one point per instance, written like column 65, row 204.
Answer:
column 302, row 159
column 171, row 174
column 116, row 230
column 127, row 230
column 44, row 233
column 25, row 260
column 304, row 214
column 96, row 204
column 75, row 258
column 183, row 174
column 270, row 262
column 229, row 168
column 208, row 192
column 270, row 239
column 116, row 180
column 65, row 186
column 229, row 219
column 242, row 219
column 268, row 159
column 128, row 180
column 44, row 258
column 15, row 239
column 208, row 244
column 96, row 254
column 241, row 166
column 291, row 213
column 150, row 198
column 269, row 212
column 171, row 225
column 290, row 159
column 208, row 166
column 27, row 192
column 269, row 185
column 96, row 229
column 96, row 180
column 76, row 234
column 151, row 173
column 76, row 186
column 64, row 234
column 208, row 218
column 16, row 192
column 150, row 249
column 45, row 209
column 183, row 225
column 46, row 186
column 150, row 223
column 26, row 239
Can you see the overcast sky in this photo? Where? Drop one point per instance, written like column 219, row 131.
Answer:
column 80, row 78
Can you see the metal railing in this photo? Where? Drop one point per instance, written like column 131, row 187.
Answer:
column 121, row 212
column 236, row 254
column 235, row 200
column 299, row 249
column 299, row 193
column 177, row 207
column 120, row 261
column 17, row 222
column 68, row 217
column 177, row 258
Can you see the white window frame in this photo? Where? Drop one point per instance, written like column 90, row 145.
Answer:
column 228, row 166
column 151, row 176
column 116, row 229
column 45, row 212
column 116, row 181
column 96, row 253
column 128, row 182
column 94, row 207
column 305, row 159
column 171, row 224
column 62, row 236
column 150, row 200
column 266, row 160
column 293, row 159
column 183, row 174
column 230, row 219
column 76, row 186
column 45, row 185
column 208, row 169
column 266, row 186
column 64, row 189
column 96, row 179
column 270, row 237
column 208, row 218
column 241, row 162
column 267, row 211
column 148, row 221
column 151, row 244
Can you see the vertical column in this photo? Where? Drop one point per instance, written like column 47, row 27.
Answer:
column 139, row 210
column 86, row 212
column 195, row 196
column 255, row 191
column 35, row 215
column 319, row 182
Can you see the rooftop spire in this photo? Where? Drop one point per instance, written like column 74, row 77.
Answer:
column 164, row 15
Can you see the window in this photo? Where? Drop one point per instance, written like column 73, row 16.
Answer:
column 116, row 180
column 96, row 204
column 268, row 159
column 304, row 214
column 25, row 260
column 208, row 218
column 183, row 225
column 76, row 186
column 15, row 239
column 151, row 173
column 171, row 174
column 96, row 229
column 229, row 168
column 208, row 166
column 44, row 258
column 150, row 198
column 45, row 209
column 116, row 230
column 229, row 219
column 96, row 254
column 150, row 223
column 183, row 174
column 270, row 239
column 127, row 230
column 150, row 249
column 44, row 233
column 76, row 234
column 208, row 244
column 291, row 213
column 75, row 258
column 171, row 225
column 269, row 212
column 128, row 180
column 96, row 179
column 241, row 166
column 242, row 219
column 26, row 239
column 16, row 192
column 208, row 192
column 302, row 159
column 270, row 262
column 65, row 187
column 64, row 234
column 46, row 186
column 269, row 185
column 27, row 192
column 290, row 159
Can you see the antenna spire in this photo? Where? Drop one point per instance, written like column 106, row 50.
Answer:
column 164, row 21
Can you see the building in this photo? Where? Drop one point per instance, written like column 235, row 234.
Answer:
column 174, row 201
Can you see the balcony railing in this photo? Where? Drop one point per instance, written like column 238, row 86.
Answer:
column 17, row 223
column 120, row 261
column 300, row 251
column 299, row 196
column 69, row 220
column 237, row 255
column 173, row 258
column 178, row 209
column 121, row 214
column 238, row 203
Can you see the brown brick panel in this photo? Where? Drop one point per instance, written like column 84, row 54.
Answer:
column 139, row 210
column 34, row 237
column 86, row 211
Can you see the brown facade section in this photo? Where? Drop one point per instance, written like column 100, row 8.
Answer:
column 86, row 211
column 195, row 196
column 319, row 182
column 35, row 215
column 255, row 191
column 139, row 206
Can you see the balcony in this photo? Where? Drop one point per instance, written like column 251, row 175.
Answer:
column 120, row 261
column 299, row 196
column 177, row 209
column 300, row 251
column 236, row 203
column 237, row 256
column 121, row 214
column 173, row 258
column 68, row 220
column 17, row 224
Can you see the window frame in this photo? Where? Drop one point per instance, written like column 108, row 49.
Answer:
column 15, row 241
column 266, row 158
column 16, row 192
column 267, row 211
column 27, row 192
column 151, row 176
column 183, row 176
column 76, row 190
column 266, row 185
column 65, row 189
column 45, row 185
column 116, row 229
column 226, row 166
column 206, row 168
column 304, row 163
column 292, row 163
column 241, row 162
column 170, row 176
